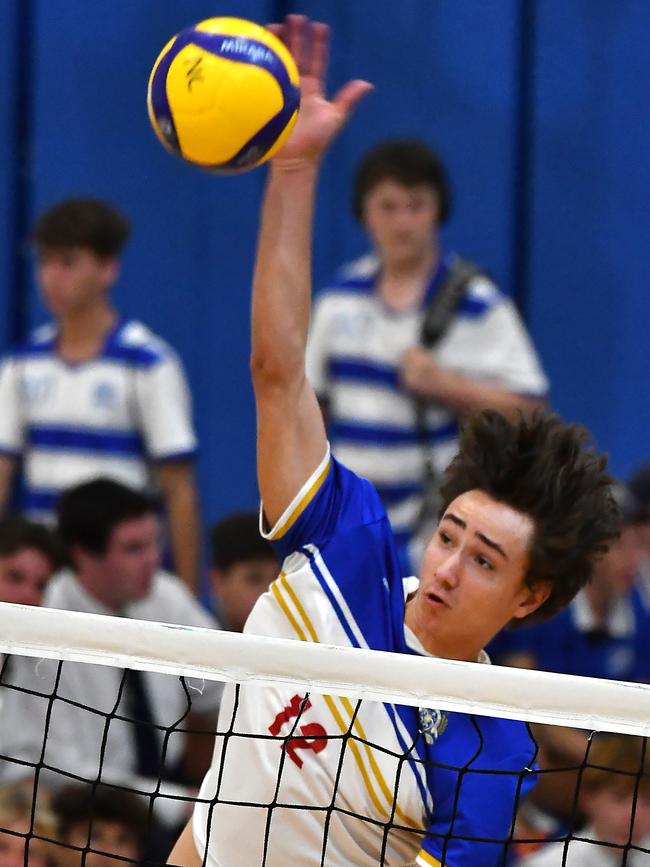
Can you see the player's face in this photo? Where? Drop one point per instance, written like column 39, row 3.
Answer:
column 401, row 221
column 239, row 588
column 616, row 571
column 130, row 561
column 610, row 811
column 23, row 576
column 107, row 836
column 12, row 848
column 472, row 577
column 73, row 279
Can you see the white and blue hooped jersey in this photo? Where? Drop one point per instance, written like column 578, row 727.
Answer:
column 111, row 416
column 351, row 784
column 354, row 356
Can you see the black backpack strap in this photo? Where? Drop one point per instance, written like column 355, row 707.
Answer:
column 444, row 304
column 436, row 322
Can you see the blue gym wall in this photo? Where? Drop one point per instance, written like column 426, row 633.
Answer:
column 540, row 109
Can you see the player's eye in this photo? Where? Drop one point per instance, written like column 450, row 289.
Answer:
column 444, row 537
column 484, row 563
column 15, row 577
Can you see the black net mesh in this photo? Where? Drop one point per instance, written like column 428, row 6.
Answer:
column 299, row 776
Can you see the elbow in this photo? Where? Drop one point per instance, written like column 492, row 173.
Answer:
column 277, row 368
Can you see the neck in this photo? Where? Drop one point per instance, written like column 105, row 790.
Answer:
column 404, row 281
column 82, row 333
column 97, row 589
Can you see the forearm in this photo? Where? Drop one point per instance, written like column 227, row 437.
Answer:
column 463, row 395
column 282, row 279
column 181, row 502
column 7, row 469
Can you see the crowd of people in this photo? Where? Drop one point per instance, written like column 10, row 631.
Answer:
column 96, row 417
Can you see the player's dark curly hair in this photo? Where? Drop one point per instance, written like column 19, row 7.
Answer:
column 541, row 466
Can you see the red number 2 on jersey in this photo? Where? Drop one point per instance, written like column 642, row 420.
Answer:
column 314, row 736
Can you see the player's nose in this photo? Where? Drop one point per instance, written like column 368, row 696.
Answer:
column 448, row 571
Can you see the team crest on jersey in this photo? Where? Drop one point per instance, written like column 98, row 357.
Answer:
column 432, row 724
column 105, row 395
column 36, row 389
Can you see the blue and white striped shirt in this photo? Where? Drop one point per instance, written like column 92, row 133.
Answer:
column 111, row 416
column 354, row 358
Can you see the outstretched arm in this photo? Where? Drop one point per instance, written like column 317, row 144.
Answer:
column 290, row 433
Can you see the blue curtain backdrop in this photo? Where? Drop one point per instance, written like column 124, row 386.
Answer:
column 539, row 108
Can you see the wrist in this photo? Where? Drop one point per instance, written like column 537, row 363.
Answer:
column 303, row 166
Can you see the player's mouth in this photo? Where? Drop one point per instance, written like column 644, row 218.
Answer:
column 438, row 601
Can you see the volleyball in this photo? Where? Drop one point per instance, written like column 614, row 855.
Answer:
column 223, row 95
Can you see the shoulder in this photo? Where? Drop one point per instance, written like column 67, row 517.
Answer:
column 171, row 601
column 39, row 343
column 480, row 298
column 355, row 279
column 61, row 590
column 136, row 344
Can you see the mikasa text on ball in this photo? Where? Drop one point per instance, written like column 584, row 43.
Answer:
column 224, row 94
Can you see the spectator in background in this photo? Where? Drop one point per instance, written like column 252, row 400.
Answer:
column 604, row 632
column 104, row 823
column 365, row 358
column 23, row 837
column 29, row 555
column 243, row 566
column 639, row 485
column 93, row 394
column 112, row 538
column 615, row 799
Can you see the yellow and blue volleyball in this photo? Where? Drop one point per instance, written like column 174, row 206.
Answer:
column 224, row 94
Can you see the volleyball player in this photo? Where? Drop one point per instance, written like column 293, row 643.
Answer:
column 526, row 509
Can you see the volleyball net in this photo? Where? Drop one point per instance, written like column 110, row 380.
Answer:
column 319, row 751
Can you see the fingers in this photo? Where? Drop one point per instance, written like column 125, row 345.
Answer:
column 319, row 51
column 308, row 43
column 351, row 94
column 297, row 27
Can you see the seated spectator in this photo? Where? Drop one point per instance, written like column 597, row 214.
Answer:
column 112, row 538
column 604, row 632
column 616, row 782
column 103, row 823
column 29, row 555
column 243, row 566
column 639, row 485
column 23, row 840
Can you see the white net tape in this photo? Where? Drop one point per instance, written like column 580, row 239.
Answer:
column 533, row 696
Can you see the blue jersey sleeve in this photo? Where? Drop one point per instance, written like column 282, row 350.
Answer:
column 338, row 523
column 332, row 502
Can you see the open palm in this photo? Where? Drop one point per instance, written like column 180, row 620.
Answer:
column 319, row 119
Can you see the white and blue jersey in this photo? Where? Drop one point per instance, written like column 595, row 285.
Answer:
column 354, row 358
column 113, row 415
column 351, row 783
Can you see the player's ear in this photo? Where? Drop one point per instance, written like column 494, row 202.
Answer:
column 531, row 598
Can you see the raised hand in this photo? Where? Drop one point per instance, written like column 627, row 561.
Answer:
column 319, row 119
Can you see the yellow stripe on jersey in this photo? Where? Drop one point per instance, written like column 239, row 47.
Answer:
column 298, row 605
column 390, row 797
column 425, row 859
column 280, row 586
column 288, row 520
column 287, row 611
